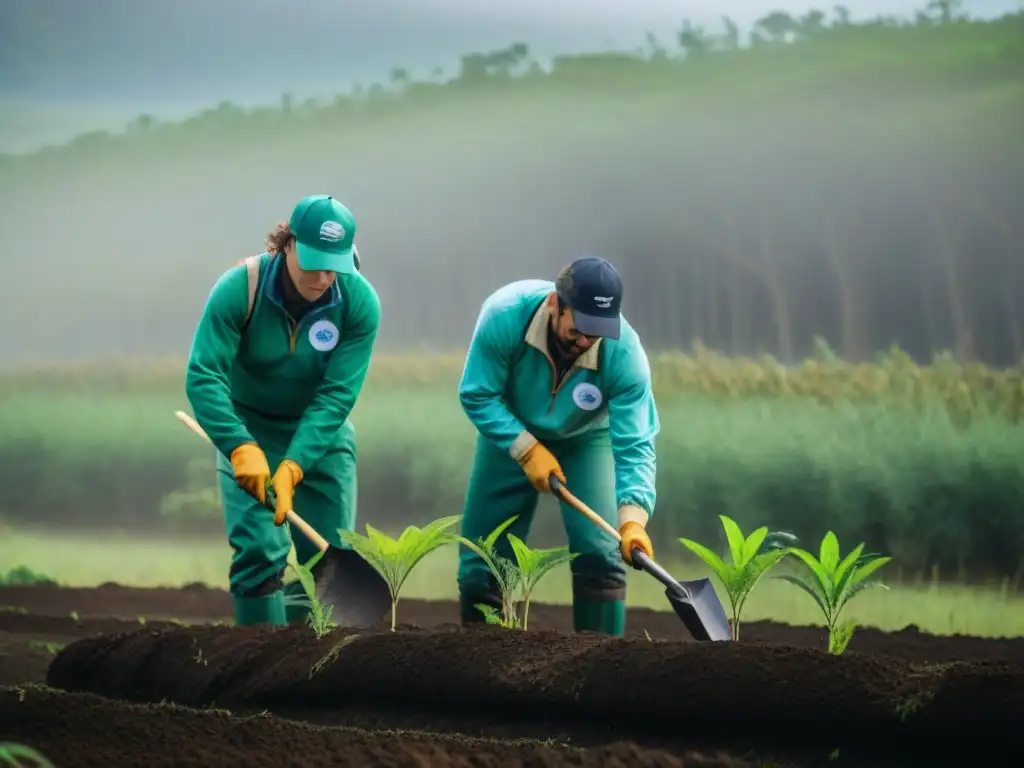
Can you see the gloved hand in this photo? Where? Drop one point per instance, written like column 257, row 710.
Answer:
column 539, row 464
column 287, row 476
column 634, row 536
column 252, row 472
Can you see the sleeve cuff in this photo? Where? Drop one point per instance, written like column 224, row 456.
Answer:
column 524, row 441
column 632, row 513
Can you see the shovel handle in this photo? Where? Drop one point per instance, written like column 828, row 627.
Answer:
column 559, row 488
column 317, row 540
column 640, row 559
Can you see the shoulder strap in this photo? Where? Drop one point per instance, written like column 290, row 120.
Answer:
column 252, row 273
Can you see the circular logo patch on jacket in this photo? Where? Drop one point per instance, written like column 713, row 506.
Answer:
column 323, row 335
column 587, row 396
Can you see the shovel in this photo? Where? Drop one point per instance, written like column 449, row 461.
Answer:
column 357, row 594
column 695, row 602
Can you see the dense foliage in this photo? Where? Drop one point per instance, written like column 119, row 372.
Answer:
column 928, row 469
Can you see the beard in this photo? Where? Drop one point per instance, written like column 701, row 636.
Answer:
column 568, row 347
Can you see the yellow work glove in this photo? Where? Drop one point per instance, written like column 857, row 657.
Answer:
column 252, row 473
column 287, row 476
column 539, row 464
column 634, row 536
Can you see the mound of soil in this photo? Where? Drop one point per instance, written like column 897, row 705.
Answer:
column 84, row 730
column 780, row 695
column 197, row 603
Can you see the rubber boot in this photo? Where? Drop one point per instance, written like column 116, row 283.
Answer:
column 606, row 617
column 262, row 609
column 296, row 608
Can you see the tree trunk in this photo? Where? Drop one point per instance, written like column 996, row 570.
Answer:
column 945, row 244
column 852, row 337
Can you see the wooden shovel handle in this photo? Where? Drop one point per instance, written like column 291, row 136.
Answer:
column 318, row 541
column 579, row 506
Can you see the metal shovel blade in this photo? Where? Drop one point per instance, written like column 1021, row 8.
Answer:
column 699, row 608
column 357, row 594
column 695, row 602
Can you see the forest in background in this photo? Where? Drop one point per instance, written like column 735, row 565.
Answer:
column 860, row 182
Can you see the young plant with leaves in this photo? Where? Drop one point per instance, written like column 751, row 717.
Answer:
column 516, row 577
column 752, row 556
column 534, row 565
column 834, row 582
column 506, row 576
column 394, row 559
column 319, row 618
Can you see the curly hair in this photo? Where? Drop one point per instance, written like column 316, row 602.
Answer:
column 278, row 239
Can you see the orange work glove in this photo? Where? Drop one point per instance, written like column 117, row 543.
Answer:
column 539, row 464
column 634, row 536
column 287, row 476
column 252, row 473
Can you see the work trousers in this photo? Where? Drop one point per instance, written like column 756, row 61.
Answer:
column 498, row 489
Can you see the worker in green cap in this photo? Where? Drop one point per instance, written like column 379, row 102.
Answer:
column 277, row 363
column 557, row 383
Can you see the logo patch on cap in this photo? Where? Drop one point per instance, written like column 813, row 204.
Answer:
column 604, row 302
column 331, row 231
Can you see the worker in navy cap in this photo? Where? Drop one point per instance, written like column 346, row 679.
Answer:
column 557, row 384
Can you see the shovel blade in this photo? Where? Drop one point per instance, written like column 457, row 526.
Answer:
column 358, row 595
column 697, row 605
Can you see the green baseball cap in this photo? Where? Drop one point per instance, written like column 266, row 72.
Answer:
column 325, row 231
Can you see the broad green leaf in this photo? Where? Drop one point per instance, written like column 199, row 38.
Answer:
column 753, row 544
column 863, row 571
column 735, row 537
column 492, row 538
column 314, row 559
column 829, row 557
column 844, row 569
column 713, row 561
column 819, row 573
column 812, row 591
column 525, row 557
column 856, row 582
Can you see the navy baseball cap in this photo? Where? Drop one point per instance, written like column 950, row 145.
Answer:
column 593, row 290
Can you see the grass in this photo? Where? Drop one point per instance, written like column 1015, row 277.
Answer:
column 866, row 471
column 936, row 608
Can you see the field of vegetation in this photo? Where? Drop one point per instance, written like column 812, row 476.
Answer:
column 921, row 462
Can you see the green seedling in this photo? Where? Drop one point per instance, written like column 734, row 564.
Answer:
column 516, row 577
column 506, row 574
column 319, row 618
column 534, row 565
column 22, row 756
column 394, row 559
column 751, row 559
column 835, row 582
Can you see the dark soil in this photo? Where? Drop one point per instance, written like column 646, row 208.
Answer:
column 28, row 642
column 775, row 695
column 85, row 730
column 782, row 696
